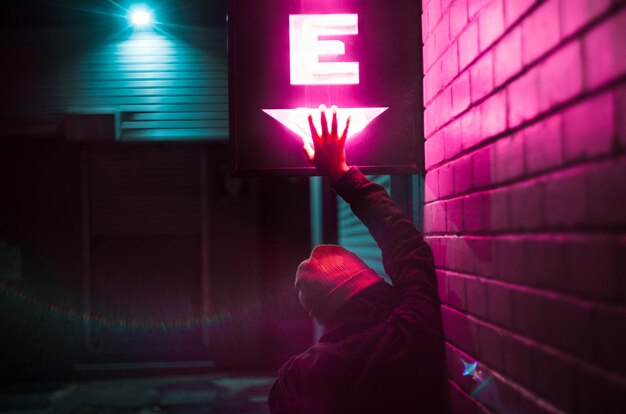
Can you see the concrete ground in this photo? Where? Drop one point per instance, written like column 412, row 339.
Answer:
column 202, row 394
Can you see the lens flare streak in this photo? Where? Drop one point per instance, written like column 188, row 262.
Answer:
column 130, row 324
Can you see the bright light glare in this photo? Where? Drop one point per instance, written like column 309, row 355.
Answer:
column 141, row 17
column 297, row 119
column 469, row 368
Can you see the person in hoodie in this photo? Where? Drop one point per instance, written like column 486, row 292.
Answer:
column 382, row 349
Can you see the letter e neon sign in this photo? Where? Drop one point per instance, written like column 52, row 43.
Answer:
column 305, row 48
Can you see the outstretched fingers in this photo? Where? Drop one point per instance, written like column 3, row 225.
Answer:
column 324, row 122
column 345, row 131
column 333, row 129
column 314, row 135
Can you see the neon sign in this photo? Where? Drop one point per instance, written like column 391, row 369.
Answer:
column 305, row 49
column 364, row 56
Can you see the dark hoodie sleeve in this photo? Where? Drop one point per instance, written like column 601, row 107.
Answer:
column 407, row 258
column 294, row 392
column 283, row 397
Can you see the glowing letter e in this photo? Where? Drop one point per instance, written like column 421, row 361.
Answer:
column 305, row 48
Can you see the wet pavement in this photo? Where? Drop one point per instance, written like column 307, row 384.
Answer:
column 205, row 394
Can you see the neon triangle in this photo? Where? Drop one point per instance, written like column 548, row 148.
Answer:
column 296, row 119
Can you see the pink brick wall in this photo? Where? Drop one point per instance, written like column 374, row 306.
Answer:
column 525, row 209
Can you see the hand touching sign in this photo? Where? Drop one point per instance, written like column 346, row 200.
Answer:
column 327, row 152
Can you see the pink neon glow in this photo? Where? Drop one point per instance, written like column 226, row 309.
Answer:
column 297, row 121
column 305, row 49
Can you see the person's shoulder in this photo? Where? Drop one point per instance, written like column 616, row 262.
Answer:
column 302, row 361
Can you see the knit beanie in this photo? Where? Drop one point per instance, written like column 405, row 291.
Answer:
column 329, row 278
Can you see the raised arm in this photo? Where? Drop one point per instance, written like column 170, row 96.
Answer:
column 407, row 258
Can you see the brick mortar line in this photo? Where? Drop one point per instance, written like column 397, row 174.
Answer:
column 607, row 230
column 577, row 362
column 468, row 23
column 611, row 231
column 440, row 19
column 582, row 162
column 443, row 13
column 585, row 164
column 613, row 9
column 513, row 384
column 502, row 88
column 475, row 19
column 567, row 235
column 554, row 110
column 542, row 292
column 480, row 405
